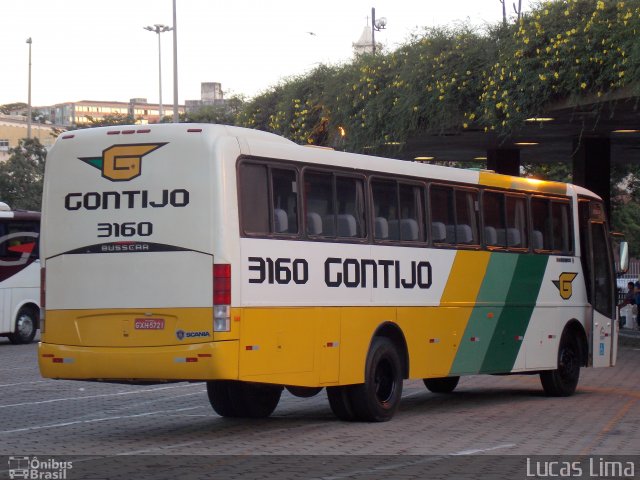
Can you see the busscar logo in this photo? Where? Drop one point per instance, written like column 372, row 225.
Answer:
column 564, row 284
column 121, row 163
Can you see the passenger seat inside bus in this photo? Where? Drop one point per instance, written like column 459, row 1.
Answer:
column 406, row 229
column 280, row 221
column 314, row 223
column 381, row 226
column 490, row 236
column 537, row 241
column 438, row 232
column 347, row 225
column 463, row 234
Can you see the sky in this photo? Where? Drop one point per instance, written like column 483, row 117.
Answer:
column 99, row 50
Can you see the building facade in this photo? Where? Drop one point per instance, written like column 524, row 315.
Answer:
column 13, row 128
column 211, row 94
column 80, row 113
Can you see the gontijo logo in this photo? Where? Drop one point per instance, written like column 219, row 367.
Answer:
column 564, row 284
column 120, row 163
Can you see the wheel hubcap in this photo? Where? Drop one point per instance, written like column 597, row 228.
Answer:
column 568, row 364
column 384, row 381
column 25, row 326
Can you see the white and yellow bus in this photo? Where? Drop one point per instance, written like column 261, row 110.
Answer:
column 236, row 257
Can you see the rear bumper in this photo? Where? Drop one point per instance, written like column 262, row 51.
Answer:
column 202, row 361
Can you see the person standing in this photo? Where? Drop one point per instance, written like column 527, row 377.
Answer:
column 629, row 299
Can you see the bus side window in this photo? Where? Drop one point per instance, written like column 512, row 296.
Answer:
column 318, row 200
column 21, row 241
column 338, row 200
column 350, row 218
column 467, row 217
column 254, row 198
column 442, row 215
column 285, row 201
column 261, row 215
column 560, row 227
column 516, row 221
column 495, row 234
column 541, row 234
column 385, row 210
column 410, row 213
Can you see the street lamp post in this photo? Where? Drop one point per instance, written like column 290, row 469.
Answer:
column 376, row 26
column 29, row 94
column 176, row 117
column 158, row 28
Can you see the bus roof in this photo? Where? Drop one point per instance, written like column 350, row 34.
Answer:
column 264, row 144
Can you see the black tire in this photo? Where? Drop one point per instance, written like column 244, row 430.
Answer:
column 563, row 381
column 340, row 403
column 378, row 398
column 219, row 393
column 441, row 385
column 230, row 398
column 26, row 326
column 303, row 392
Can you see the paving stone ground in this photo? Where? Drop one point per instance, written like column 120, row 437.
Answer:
column 485, row 416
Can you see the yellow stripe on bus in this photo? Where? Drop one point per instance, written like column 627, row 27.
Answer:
column 528, row 184
column 446, row 324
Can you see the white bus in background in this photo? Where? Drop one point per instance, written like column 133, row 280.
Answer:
column 19, row 274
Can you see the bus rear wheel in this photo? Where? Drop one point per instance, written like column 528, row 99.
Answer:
column 441, row 385
column 230, row 398
column 378, row 398
column 563, row 381
column 25, row 328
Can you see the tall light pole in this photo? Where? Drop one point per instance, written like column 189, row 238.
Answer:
column 29, row 94
column 158, row 28
column 376, row 26
column 176, row 117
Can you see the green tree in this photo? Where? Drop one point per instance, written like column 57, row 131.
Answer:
column 11, row 107
column 22, row 174
column 557, row 172
column 109, row 120
column 225, row 114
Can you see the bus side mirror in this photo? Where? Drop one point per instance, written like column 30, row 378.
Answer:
column 624, row 257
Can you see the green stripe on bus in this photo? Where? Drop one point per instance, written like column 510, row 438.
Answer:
column 480, row 328
column 514, row 319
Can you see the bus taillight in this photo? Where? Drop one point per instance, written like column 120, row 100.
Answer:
column 221, row 297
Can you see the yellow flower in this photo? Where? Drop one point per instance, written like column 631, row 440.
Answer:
column 583, row 85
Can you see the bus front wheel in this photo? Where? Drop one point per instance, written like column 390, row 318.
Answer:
column 230, row 398
column 563, row 381
column 441, row 385
column 25, row 328
column 378, row 398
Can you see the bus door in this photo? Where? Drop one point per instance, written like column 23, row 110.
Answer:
column 596, row 257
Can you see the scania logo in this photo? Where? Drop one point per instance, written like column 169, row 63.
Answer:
column 120, row 163
column 181, row 334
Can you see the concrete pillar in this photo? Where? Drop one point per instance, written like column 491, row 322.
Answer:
column 504, row 160
column 592, row 166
